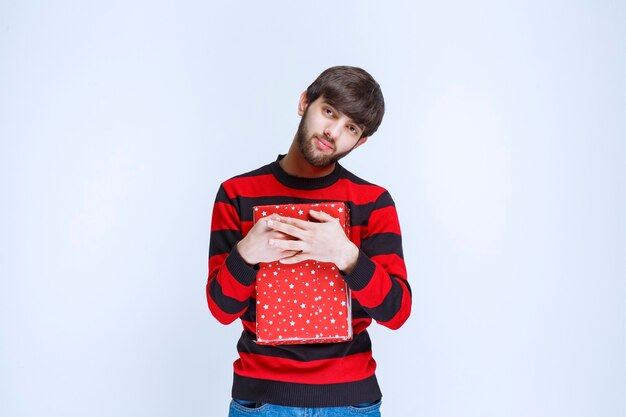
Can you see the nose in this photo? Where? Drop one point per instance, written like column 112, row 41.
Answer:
column 332, row 131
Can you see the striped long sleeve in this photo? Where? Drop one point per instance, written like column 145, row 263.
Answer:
column 231, row 280
column 379, row 280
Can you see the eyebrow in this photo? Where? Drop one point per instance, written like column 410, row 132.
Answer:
column 361, row 127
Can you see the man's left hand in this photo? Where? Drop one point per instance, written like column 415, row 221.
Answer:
column 325, row 241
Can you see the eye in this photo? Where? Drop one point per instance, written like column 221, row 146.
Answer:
column 353, row 130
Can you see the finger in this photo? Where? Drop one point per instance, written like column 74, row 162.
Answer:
column 298, row 257
column 321, row 216
column 301, row 224
column 286, row 229
column 292, row 245
column 275, row 234
column 271, row 217
column 288, row 254
column 269, row 220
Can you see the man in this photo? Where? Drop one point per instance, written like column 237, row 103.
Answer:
column 339, row 112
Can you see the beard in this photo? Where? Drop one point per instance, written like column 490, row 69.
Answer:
column 308, row 148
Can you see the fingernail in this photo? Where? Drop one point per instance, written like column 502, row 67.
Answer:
column 270, row 222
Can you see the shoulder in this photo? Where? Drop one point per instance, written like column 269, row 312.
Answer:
column 264, row 170
column 247, row 177
column 358, row 181
column 364, row 187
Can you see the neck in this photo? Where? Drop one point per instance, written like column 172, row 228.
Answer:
column 294, row 164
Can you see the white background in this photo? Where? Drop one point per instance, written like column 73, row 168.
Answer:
column 503, row 146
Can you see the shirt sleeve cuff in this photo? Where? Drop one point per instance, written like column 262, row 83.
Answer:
column 362, row 273
column 239, row 269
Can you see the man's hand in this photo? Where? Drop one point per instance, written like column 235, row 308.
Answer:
column 255, row 247
column 325, row 241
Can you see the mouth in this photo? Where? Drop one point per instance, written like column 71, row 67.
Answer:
column 323, row 144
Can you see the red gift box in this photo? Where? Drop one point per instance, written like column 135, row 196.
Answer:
column 306, row 302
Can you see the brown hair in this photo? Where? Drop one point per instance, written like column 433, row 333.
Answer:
column 352, row 91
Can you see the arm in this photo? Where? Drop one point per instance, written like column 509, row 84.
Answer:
column 231, row 280
column 379, row 278
column 375, row 272
column 234, row 253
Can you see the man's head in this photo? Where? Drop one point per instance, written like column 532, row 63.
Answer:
column 342, row 107
column 352, row 91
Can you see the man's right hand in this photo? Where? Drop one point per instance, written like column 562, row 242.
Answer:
column 255, row 247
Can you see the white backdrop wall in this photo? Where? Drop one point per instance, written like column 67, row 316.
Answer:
column 503, row 146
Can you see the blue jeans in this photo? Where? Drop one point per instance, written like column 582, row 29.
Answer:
column 240, row 408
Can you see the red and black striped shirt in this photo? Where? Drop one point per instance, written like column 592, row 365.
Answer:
column 311, row 375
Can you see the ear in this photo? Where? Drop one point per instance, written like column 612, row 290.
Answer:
column 361, row 142
column 303, row 103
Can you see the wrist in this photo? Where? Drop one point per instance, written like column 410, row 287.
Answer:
column 243, row 252
column 349, row 259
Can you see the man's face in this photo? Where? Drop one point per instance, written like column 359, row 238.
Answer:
column 324, row 134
